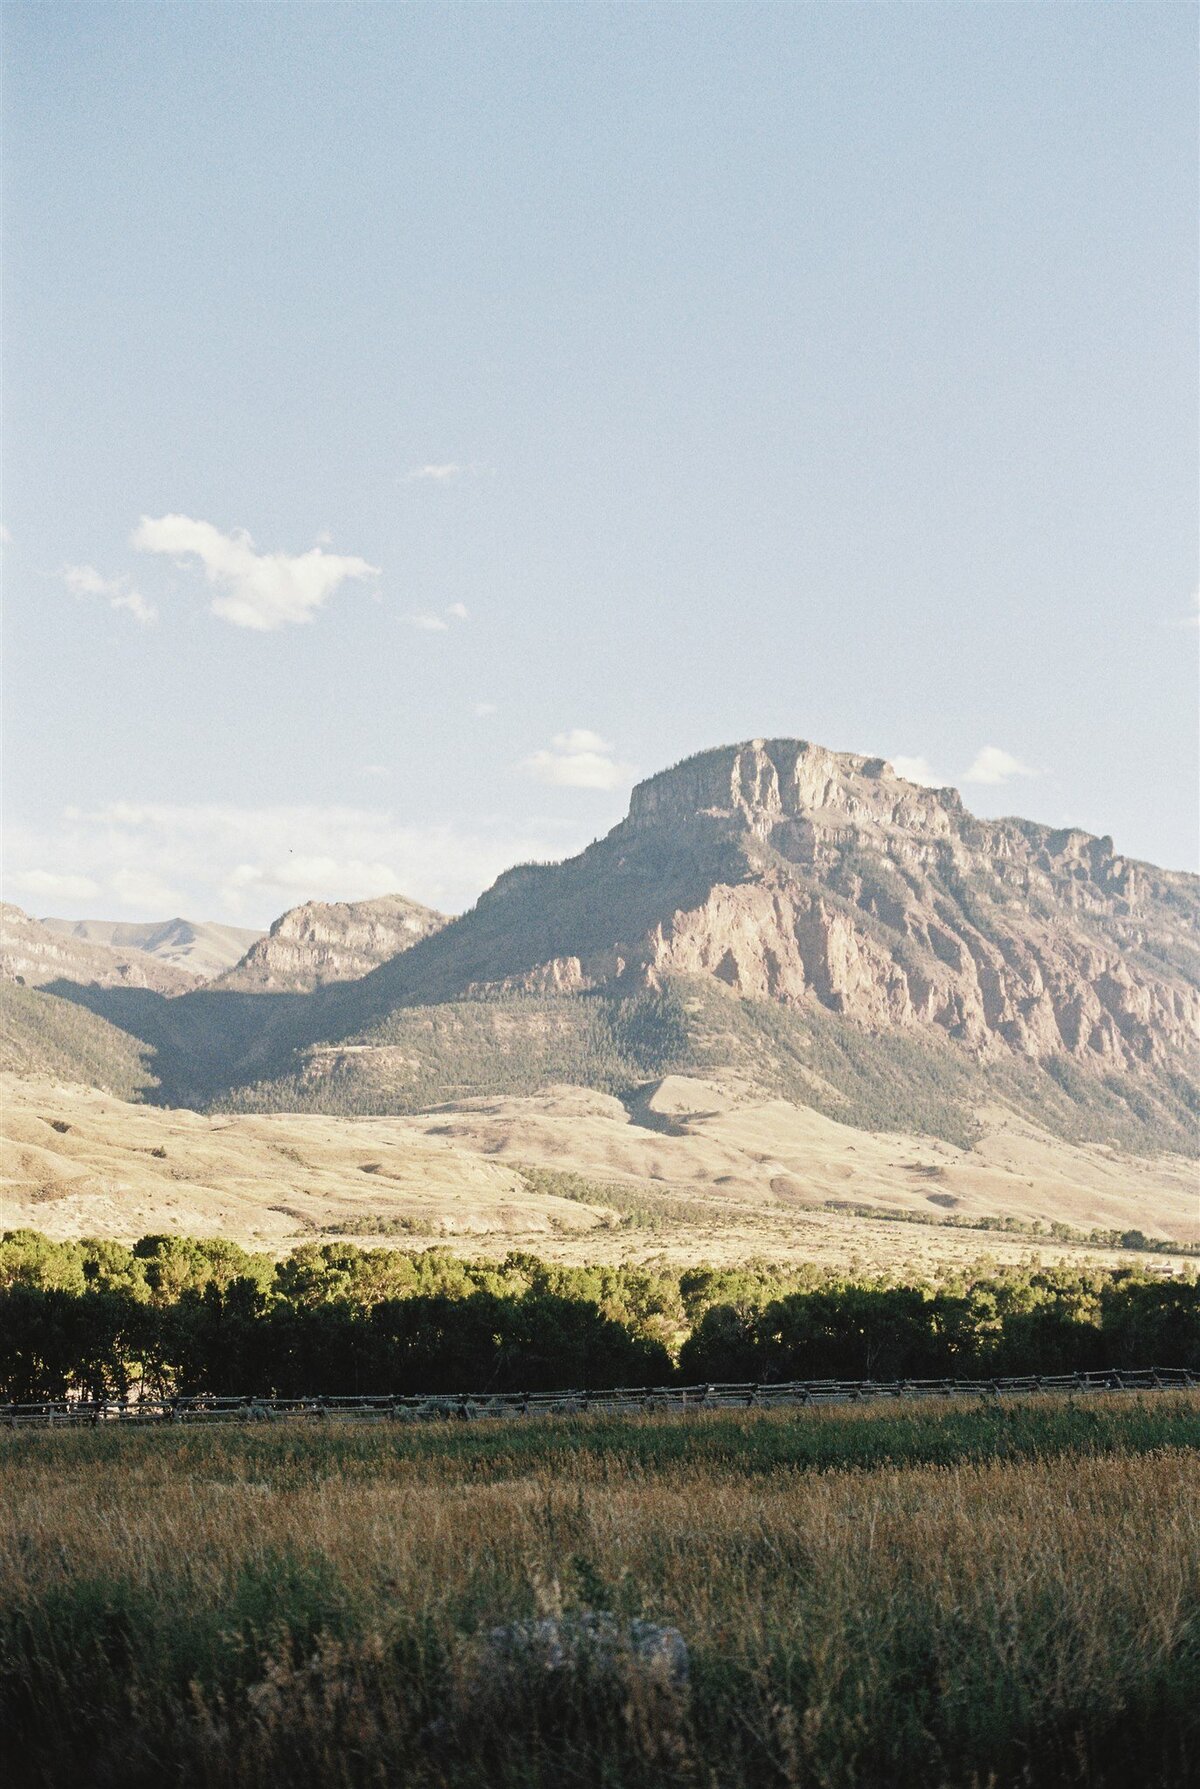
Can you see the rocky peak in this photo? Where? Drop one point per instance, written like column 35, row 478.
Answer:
column 791, row 873
column 814, row 809
column 323, row 942
column 763, row 785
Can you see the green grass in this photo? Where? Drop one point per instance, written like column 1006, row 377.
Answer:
column 742, row 1445
column 958, row 1596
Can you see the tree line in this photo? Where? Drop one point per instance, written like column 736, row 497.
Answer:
column 181, row 1315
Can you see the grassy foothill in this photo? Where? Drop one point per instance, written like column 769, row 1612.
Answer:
column 973, row 1595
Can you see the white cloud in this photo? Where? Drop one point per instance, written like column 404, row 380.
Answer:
column 223, row 861
column 5, row 536
column 917, row 770
column 578, row 759
column 299, row 878
column 990, row 766
column 458, row 610
column 993, row 766
column 581, row 739
column 374, row 770
column 44, row 884
column 1192, row 619
column 483, row 709
column 440, row 474
column 118, row 593
column 262, row 591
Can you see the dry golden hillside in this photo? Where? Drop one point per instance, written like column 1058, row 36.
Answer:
column 697, row 1170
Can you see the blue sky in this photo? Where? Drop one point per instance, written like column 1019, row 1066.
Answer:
column 419, row 422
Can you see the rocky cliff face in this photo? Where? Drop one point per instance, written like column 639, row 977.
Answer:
column 795, row 874
column 311, row 946
column 32, row 953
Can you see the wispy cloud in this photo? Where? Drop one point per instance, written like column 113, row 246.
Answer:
column 45, row 885
column 222, row 860
column 1192, row 618
column 578, row 759
column 118, row 593
column 145, row 889
column 483, row 709
column 263, row 591
column 432, row 623
column 993, row 766
column 5, row 536
column 440, row 474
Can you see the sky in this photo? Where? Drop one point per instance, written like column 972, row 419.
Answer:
column 422, row 422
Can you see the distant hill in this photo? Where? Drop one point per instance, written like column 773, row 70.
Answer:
column 771, row 916
column 201, row 947
column 567, row 1174
column 41, row 1035
column 321, row 942
column 34, row 953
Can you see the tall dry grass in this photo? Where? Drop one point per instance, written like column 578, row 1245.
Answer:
column 989, row 1597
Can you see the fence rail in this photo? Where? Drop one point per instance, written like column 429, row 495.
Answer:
column 621, row 1400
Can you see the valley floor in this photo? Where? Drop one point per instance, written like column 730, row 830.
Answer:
column 694, row 1170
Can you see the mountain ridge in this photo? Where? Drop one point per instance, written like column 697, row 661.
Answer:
column 843, row 883
column 799, row 920
column 34, row 953
column 205, row 948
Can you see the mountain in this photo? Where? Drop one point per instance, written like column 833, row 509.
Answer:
column 815, row 878
column 318, row 943
column 34, row 953
column 204, row 948
column 773, row 917
column 812, row 923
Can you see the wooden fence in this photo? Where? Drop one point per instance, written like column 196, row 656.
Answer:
column 621, row 1400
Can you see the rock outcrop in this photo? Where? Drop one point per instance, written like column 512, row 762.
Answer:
column 319, row 943
column 795, row 874
column 36, row 955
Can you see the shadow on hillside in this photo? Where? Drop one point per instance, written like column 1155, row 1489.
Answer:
column 206, row 1043
column 641, row 1113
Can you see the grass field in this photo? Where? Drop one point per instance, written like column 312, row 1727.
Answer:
column 964, row 1596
